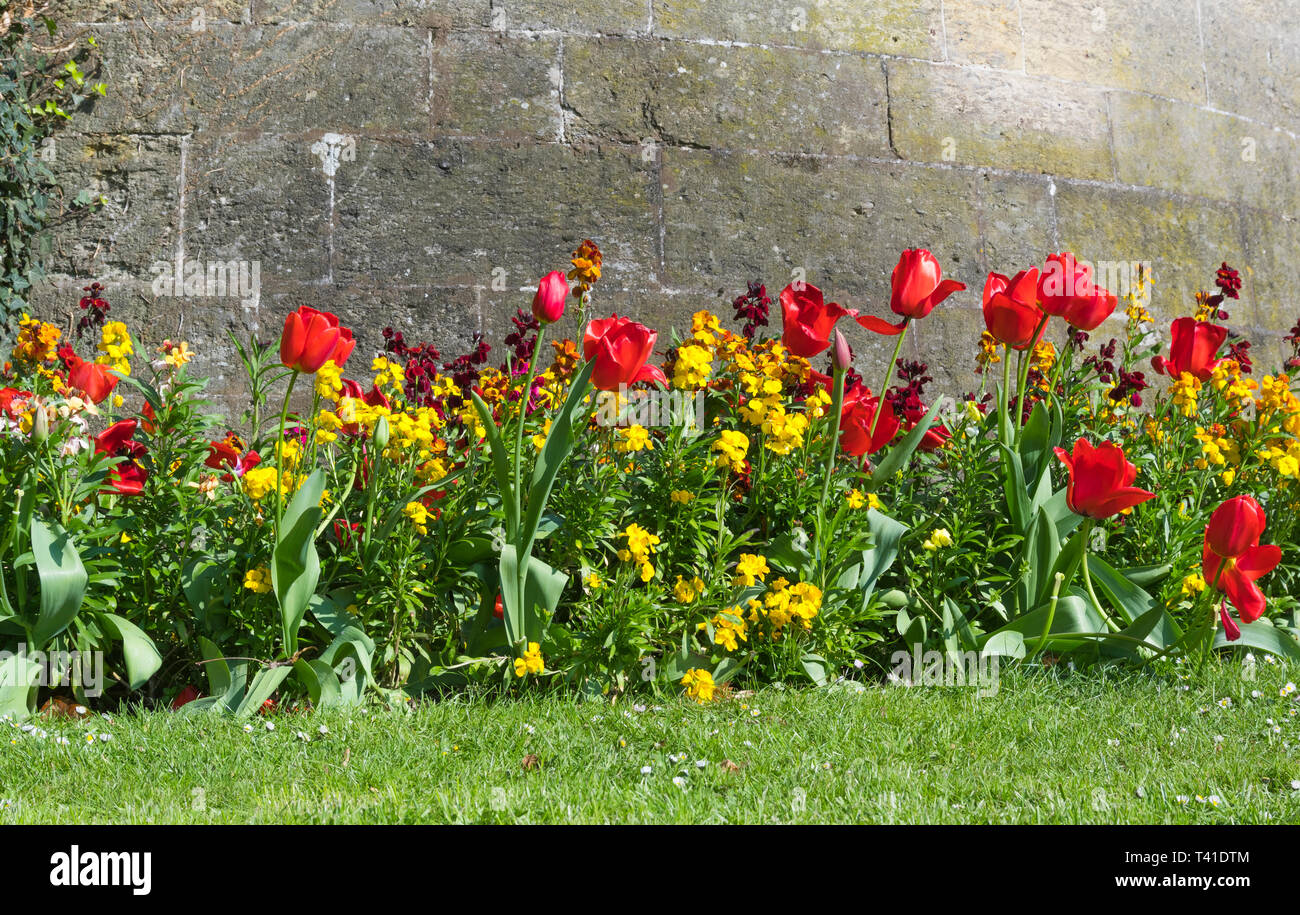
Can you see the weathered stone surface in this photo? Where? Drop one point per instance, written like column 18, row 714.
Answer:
column 489, row 85
column 138, row 177
column 984, row 32
column 265, row 200
column 1182, row 243
column 153, row 11
column 612, row 17
column 683, row 94
column 1271, row 276
column 421, row 14
column 1016, row 219
column 911, row 28
column 453, row 213
column 839, row 226
column 1144, row 45
column 171, row 79
column 1252, row 59
column 1181, row 147
column 981, row 117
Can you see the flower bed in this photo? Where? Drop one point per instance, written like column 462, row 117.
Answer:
column 715, row 508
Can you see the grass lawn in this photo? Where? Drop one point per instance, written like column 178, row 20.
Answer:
column 1050, row 747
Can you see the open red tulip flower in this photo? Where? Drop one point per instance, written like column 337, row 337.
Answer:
column 1066, row 290
column 127, row 476
column 90, row 378
column 1101, row 480
column 229, row 454
column 807, row 319
column 1232, row 558
column 622, row 349
column 1192, row 349
column 1011, row 312
column 312, row 338
column 857, row 417
column 916, row 286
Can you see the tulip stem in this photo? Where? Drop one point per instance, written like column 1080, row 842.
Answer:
column 1026, row 359
column 889, row 375
column 1051, row 612
column 524, row 398
column 1004, row 420
column 1086, row 534
column 279, row 455
column 837, row 405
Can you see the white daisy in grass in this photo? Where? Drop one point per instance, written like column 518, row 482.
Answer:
column 1287, row 690
column 1225, row 702
column 323, row 731
column 270, row 725
column 1182, row 799
column 248, row 729
column 302, row 735
column 679, row 781
column 106, row 737
column 646, row 770
column 90, row 738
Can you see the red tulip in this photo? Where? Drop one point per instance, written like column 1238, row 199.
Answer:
column 127, row 476
column 1066, row 290
column 1192, row 349
column 807, row 319
column 916, row 286
column 92, row 379
column 499, row 610
column 185, row 697
column 548, row 303
column 1101, row 480
column 856, row 417
column 312, row 338
column 621, row 348
column 1011, row 311
column 1232, row 557
column 935, row 438
column 230, row 453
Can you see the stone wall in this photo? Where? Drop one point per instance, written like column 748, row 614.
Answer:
column 420, row 164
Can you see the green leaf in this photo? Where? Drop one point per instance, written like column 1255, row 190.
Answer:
column 295, row 566
column 885, row 535
column 220, row 679
column 500, row 466
column 63, row 581
column 265, row 682
column 1131, row 601
column 320, row 681
column 559, row 442
column 19, row 682
column 142, row 657
column 816, row 667
column 1264, row 636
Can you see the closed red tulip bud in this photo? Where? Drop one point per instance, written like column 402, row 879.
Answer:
column 916, row 286
column 622, row 349
column 312, row 338
column 1101, row 480
column 843, row 359
column 1011, row 313
column 807, row 319
column 185, row 697
column 548, row 302
column 92, row 379
column 1232, row 558
column 1192, row 349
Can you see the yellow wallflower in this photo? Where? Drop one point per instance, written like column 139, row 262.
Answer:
column 731, row 447
column 531, row 662
column 750, row 568
column 258, row 580
column 418, row 515
column 687, row 589
column 681, row 496
column 632, row 438
column 939, row 539
column 699, row 685
column 692, row 367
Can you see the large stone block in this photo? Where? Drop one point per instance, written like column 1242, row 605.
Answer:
column 1016, row 218
column 1181, row 242
column 684, row 94
column 910, row 28
column 1144, row 45
column 138, row 177
column 264, row 200
column 837, row 224
column 489, row 85
column 1186, row 148
column 454, row 213
column 984, row 32
column 1252, row 58
column 195, row 14
column 420, row 14
column 982, row 117
column 612, row 17
column 237, row 79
